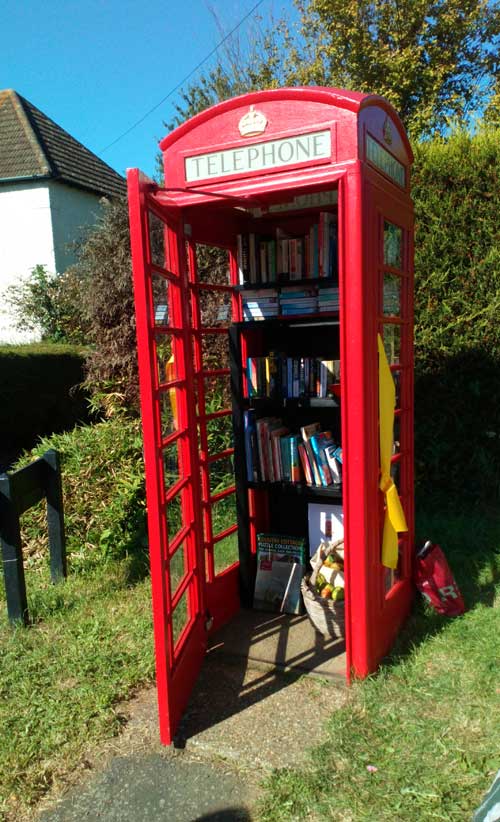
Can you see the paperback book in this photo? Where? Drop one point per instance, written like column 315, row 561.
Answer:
column 281, row 564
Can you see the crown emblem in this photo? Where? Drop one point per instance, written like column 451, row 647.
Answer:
column 252, row 123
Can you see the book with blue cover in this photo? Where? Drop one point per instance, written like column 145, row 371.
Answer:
column 319, row 442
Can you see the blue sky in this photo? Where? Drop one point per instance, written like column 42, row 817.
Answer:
column 97, row 66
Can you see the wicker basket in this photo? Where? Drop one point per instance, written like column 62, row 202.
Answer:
column 327, row 615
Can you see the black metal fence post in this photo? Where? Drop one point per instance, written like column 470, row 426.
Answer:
column 55, row 516
column 12, row 555
column 19, row 491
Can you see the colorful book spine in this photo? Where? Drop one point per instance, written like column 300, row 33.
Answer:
column 295, row 473
column 319, row 442
column 251, row 451
column 334, row 465
column 285, row 459
column 304, row 461
column 252, row 377
column 307, row 432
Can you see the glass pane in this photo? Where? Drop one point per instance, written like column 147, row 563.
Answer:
column 169, row 411
column 395, row 473
column 392, row 295
column 215, row 351
column 174, row 516
column 223, row 514
column 226, row 552
column 157, row 231
column 215, row 308
column 161, row 304
column 172, row 467
column 396, row 436
column 392, row 343
column 164, row 358
column 220, row 434
column 388, row 579
column 180, row 617
column 178, row 567
column 221, row 474
column 396, row 376
column 217, row 393
column 393, row 245
column 213, row 265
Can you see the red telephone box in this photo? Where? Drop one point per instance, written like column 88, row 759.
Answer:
column 270, row 164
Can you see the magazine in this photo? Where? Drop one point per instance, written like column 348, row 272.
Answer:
column 281, row 564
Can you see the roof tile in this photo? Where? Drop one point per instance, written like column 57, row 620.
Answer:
column 32, row 146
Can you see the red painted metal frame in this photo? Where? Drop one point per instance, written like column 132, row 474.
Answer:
column 366, row 196
column 222, row 584
column 178, row 658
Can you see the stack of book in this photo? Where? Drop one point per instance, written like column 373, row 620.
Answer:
column 274, row 454
column 320, row 456
column 298, row 300
column 328, row 299
column 279, row 377
column 260, row 304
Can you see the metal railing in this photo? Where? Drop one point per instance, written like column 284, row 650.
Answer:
column 19, row 491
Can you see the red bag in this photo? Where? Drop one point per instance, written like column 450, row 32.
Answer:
column 436, row 582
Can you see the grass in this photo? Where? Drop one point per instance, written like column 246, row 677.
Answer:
column 90, row 642
column 89, row 647
column 424, row 723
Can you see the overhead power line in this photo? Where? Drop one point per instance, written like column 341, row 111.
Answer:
column 184, row 80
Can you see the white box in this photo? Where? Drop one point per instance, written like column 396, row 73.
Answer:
column 326, row 522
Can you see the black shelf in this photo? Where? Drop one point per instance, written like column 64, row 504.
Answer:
column 291, row 402
column 298, row 489
column 322, row 282
column 316, row 319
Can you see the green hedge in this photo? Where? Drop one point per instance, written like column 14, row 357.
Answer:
column 457, row 300
column 40, row 386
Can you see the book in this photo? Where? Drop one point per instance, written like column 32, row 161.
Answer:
column 251, row 451
column 285, row 459
column 327, row 378
column 253, row 260
column 295, row 473
column 319, row 442
column 262, row 425
column 334, row 464
column 304, row 460
column 281, row 563
column 276, row 435
column 307, row 432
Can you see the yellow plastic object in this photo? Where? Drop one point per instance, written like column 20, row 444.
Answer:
column 394, row 520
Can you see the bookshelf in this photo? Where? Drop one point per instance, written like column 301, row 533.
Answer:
column 285, row 368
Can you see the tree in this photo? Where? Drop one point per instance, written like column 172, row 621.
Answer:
column 434, row 61
column 431, row 60
column 105, row 272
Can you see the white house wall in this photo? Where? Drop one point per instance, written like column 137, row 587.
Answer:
column 25, row 241
column 38, row 224
column 73, row 210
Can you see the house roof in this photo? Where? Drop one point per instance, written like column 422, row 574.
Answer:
column 32, row 146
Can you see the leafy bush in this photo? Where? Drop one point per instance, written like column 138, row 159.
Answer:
column 50, row 304
column 103, row 489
